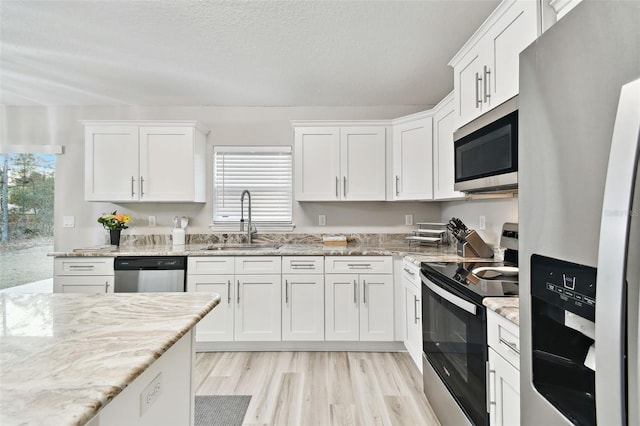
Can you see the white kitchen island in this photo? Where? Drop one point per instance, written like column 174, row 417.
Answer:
column 73, row 359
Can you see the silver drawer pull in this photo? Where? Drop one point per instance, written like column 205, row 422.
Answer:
column 409, row 271
column 359, row 265
column 82, row 267
column 303, row 266
column 510, row 345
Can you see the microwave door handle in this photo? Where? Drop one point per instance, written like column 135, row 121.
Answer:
column 452, row 298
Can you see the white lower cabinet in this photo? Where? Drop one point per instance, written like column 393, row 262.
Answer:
column 412, row 291
column 359, row 306
column 83, row 275
column 249, row 288
column 504, row 370
column 303, row 298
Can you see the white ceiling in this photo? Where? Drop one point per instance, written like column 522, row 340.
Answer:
column 232, row 53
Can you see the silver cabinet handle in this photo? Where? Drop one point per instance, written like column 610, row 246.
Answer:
column 228, row 292
column 286, row 291
column 337, row 187
column 106, row 286
column 364, row 292
column 133, row 192
column 355, row 292
column 488, row 387
column 510, row 345
column 415, row 308
column 478, row 99
column 409, row 271
column 359, row 265
column 344, row 184
column 303, row 266
column 141, row 187
column 397, row 189
column 487, row 75
column 238, row 292
column 81, row 267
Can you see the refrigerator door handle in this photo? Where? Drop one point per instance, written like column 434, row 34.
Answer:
column 611, row 282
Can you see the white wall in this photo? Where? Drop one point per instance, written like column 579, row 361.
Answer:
column 496, row 212
column 229, row 126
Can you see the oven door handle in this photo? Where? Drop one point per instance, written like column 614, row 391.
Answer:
column 458, row 301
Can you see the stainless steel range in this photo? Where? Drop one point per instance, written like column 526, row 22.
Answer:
column 454, row 330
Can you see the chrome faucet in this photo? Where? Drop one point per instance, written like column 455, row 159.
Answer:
column 248, row 194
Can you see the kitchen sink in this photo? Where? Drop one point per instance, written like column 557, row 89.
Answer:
column 237, row 247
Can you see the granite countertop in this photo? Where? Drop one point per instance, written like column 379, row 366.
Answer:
column 508, row 307
column 64, row 356
column 415, row 253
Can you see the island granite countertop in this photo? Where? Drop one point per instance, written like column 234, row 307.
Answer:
column 65, row 356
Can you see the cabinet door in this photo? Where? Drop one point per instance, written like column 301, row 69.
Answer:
column 412, row 158
column 413, row 322
column 83, row 284
column 342, row 319
column 166, row 163
column 468, row 86
column 257, row 311
column 504, row 391
column 444, row 162
column 363, row 163
column 513, row 32
column 303, row 307
column 376, row 307
column 217, row 325
column 317, row 164
column 111, row 163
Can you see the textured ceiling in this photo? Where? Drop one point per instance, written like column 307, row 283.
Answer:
column 232, row 53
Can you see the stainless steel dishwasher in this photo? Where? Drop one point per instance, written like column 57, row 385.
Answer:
column 146, row 274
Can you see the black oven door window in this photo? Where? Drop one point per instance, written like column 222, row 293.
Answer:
column 454, row 342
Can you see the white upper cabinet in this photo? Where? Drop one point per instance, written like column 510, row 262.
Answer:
column 412, row 157
column 443, row 161
column 340, row 163
column 486, row 68
column 145, row 161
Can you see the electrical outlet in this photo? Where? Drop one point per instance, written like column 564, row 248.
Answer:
column 152, row 221
column 408, row 219
column 151, row 393
column 322, row 220
column 482, row 223
column 68, row 221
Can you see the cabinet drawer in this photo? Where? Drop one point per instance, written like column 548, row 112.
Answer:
column 358, row 264
column 83, row 284
column 504, row 337
column 303, row 265
column 83, row 266
column 411, row 273
column 258, row 265
column 210, row 265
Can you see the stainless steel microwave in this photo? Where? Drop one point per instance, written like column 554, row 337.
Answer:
column 486, row 151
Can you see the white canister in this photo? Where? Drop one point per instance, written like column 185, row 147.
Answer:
column 177, row 235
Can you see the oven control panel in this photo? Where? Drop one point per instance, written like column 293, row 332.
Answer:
column 567, row 285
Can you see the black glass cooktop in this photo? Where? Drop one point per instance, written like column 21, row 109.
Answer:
column 474, row 280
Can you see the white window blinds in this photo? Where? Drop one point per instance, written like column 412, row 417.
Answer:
column 265, row 171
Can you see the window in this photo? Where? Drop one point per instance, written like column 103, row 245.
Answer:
column 265, row 171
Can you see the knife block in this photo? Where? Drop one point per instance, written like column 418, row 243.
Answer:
column 474, row 247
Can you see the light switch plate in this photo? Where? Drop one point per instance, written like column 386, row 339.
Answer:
column 68, row 221
column 482, row 223
column 322, row 220
column 152, row 221
column 408, row 219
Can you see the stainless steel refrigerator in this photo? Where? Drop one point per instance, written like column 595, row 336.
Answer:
column 579, row 218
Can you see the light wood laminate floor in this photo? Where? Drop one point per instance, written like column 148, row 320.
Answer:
column 319, row 388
